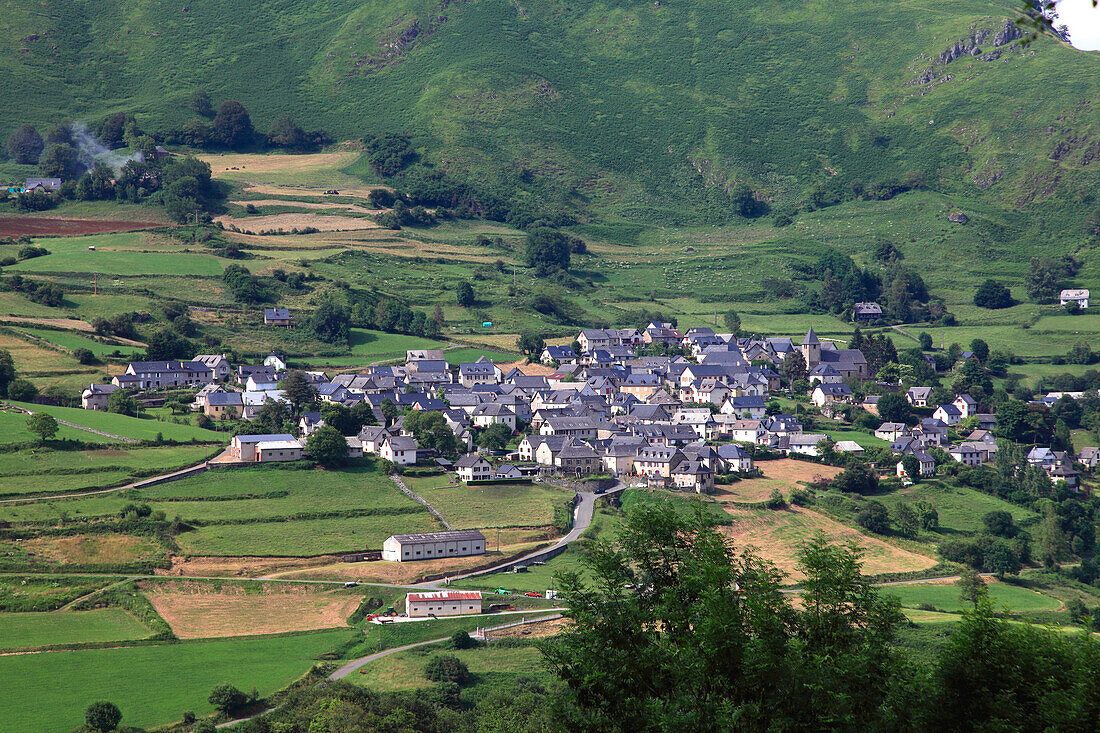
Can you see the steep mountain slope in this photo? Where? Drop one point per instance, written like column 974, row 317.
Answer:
column 646, row 111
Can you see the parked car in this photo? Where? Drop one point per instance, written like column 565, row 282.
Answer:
column 533, row 595
column 350, row 584
column 501, row 591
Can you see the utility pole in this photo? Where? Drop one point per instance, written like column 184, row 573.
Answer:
column 95, row 283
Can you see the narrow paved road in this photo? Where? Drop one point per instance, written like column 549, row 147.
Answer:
column 355, row 664
column 582, row 519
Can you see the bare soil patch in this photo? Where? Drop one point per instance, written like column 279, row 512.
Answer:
column 776, row 535
column 784, row 474
column 198, row 611
column 241, row 567
column 39, row 226
column 540, row 630
column 289, row 222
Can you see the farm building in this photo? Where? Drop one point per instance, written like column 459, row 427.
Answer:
column 272, row 451
column 276, row 317
column 443, row 603
column 49, row 185
column 433, row 545
column 96, row 396
column 246, row 447
column 1080, row 297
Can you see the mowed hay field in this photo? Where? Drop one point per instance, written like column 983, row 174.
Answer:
column 202, row 610
column 152, row 685
column 776, row 535
column 27, row 630
column 785, row 474
column 277, row 173
column 289, row 222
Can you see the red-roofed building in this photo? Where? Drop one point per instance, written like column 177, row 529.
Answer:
column 443, row 603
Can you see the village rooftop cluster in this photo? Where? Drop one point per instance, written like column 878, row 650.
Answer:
column 663, row 421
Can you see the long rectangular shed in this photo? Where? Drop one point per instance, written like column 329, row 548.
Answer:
column 433, row 545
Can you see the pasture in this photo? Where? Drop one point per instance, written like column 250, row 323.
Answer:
column 960, row 509
column 207, row 610
column 137, row 428
column 13, row 429
column 57, row 552
column 945, row 597
column 152, row 685
column 72, row 341
column 304, row 537
column 46, row 593
column 71, row 254
column 29, row 630
column 487, row 664
column 500, row 505
column 39, row 470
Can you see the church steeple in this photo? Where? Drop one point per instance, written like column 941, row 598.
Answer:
column 811, row 349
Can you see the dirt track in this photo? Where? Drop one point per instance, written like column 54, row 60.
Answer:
column 38, row 226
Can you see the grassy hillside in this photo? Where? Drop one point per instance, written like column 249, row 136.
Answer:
column 636, row 110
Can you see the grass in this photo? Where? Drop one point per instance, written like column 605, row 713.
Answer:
column 26, row 630
column 473, row 507
column 46, row 593
column 13, row 429
column 114, row 255
column 56, row 553
column 72, row 341
column 39, row 470
column 945, row 597
column 405, row 670
column 302, row 538
column 126, row 426
column 863, row 439
column 960, row 509
column 365, row 342
column 63, row 684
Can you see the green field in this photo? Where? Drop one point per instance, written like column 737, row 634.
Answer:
column 863, row 439
column 243, row 493
column 960, row 509
column 72, row 341
column 304, row 537
column 365, row 342
column 405, row 670
column 127, row 427
column 46, row 593
column 945, row 597
column 114, row 256
column 506, row 505
column 152, row 685
column 13, row 429
column 25, row 630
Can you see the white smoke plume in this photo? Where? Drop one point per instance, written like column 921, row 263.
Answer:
column 91, row 151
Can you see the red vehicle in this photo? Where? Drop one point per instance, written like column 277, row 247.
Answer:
column 533, row 595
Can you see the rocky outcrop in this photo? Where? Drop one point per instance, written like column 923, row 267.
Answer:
column 957, row 217
column 996, row 36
